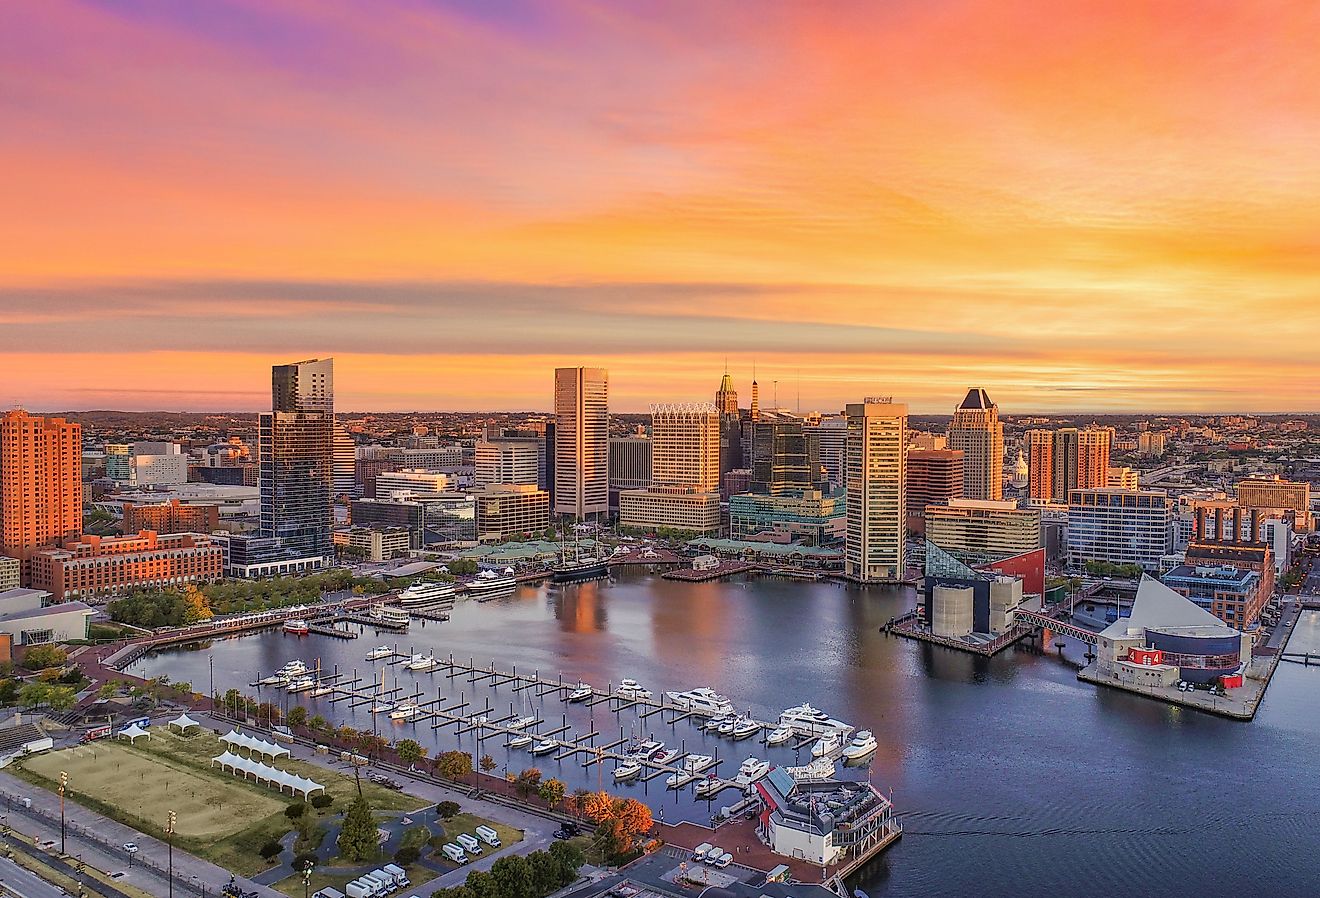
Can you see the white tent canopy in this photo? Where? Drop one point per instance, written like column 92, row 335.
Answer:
column 183, row 722
column 235, row 739
column 133, row 732
column 264, row 773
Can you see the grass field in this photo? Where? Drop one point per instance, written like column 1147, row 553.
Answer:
column 468, row 823
column 220, row 817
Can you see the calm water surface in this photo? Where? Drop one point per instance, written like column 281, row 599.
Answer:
column 1010, row 775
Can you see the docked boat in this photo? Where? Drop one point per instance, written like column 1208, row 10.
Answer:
column 715, row 723
column 523, row 722
column 726, row 727
column 426, row 594
column 581, row 692
column 779, row 735
column 679, row 780
column 275, row 679
column 521, row 741
column 379, row 652
column 422, row 663
column 863, row 745
column 631, row 689
column 810, row 721
column 489, row 584
column 321, row 689
column 751, row 770
column 702, row 702
column 826, row 745
column 406, row 710
column 297, row 626
column 627, row 770
column 819, row 769
column 544, row 747
column 744, row 727
column 301, row 684
column 285, row 674
column 697, row 763
column 709, row 786
column 381, row 707
column 648, row 749
column 666, row 758
column 578, row 570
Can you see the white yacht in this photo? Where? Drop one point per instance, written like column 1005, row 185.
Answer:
column 826, row 745
column 632, row 689
column 581, row 692
column 668, row 757
column 521, row 741
column 751, row 770
column 544, row 747
column 301, row 684
column 388, row 615
column 380, row 707
column 489, row 584
column 422, row 663
column 275, row 679
column 744, row 727
column 523, row 722
column 863, row 745
column 702, row 702
column 649, row 748
column 819, row 769
column 679, row 780
column 709, row 786
column 423, row 594
column 713, row 725
column 294, row 668
column 406, row 710
column 321, row 689
column 726, row 727
column 810, row 721
column 379, row 652
column 627, row 770
column 697, row 763
column 779, row 735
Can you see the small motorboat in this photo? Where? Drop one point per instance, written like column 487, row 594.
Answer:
column 668, row 757
column 321, row 689
column 743, row 728
column 381, row 707
column 581, row 692
column 715, row 723
column 778, row 736
column 520, row 741
column 297, row 626
column 697, row 763
column 544, row 747
column 751, row 770
column 709, row 786
column 627, row 770
column 405, row 710
column 301, row 684
column 863, row 745
column 726, row 728
column 380, row 651
column 825, row 745
column 422, row 663
column 275, row 679
column 649, row 748
column 679, row 780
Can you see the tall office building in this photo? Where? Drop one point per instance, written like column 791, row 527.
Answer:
column 511, row 460
column 685, row 446
column 1067, row 449
column 726, row 397
column 976, row 431
column 877, row 487
column 1093, row 457
column 345, row 463
column 41, row 494
column 296, row 447
column 832, row 434
column 934, row 477
column 726, row 403
column 1040, row 464
column 785, row 455
column 582, row 442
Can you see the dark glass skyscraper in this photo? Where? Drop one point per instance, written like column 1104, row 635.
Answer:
column 296, row 441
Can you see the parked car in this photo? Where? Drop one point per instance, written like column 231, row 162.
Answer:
column 567, row 831
column 131, row 847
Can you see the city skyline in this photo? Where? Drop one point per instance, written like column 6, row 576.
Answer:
column 452, row 199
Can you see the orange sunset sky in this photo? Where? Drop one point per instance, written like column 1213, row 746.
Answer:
column 1080, row 206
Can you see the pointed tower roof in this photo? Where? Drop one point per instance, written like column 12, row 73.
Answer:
column 976, row 398
column 726, row 383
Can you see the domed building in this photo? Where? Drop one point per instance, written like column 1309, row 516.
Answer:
column 1021, row 472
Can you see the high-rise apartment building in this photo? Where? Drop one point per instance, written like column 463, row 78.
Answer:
column 296, row 449
column 1151, row 442
column 934, row 476
column 1093, row 457
column 513, row 460
column 582, row 442
column 345, row 463
column 1277, row 493
column 41, row 493
column 876, row 484
column 1040, row 465
column 977, row 432
column 1067, row 446
column 685, row 446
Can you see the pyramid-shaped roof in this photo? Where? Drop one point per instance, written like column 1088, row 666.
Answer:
column 1157, row 607
column 976, row 398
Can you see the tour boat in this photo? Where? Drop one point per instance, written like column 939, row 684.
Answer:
column 862, row 745
column 825, row 745
column 422, row 663
column 702, row 702
column 406, row 710
column 379, row 652
column 581, row 692
column 627, row 770
column 544, row 747
column 489, row 584
column 423, row 594
column 668, row 757
column 779, row 735
column 301, row 684
column 679, row 780
column 388, row 615
column 297, row 626
column 751, row 770
column 520, row 741
column 744, row 727
column 632, row 689
column 810, row 721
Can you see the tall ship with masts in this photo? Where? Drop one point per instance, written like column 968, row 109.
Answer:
column 576, row 568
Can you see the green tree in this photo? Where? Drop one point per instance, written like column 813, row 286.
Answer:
column 410, row 751
column 512, row 877
column 107, row 690
column 447, row 809
column 552, row 791
column 297, row 716
column 454, row 765
column 488, row 763
column 40, row 657
column 569, row 859
column 318, row 723
column 358, row 839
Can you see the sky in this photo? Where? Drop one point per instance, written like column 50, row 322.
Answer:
column 1081, row 206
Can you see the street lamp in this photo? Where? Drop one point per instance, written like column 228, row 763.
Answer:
column 307, row 876
column 169, row 841
column 64, row 781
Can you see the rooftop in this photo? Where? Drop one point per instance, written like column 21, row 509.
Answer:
column 1157, row 607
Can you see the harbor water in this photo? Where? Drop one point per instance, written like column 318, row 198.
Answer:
column 1010, row 776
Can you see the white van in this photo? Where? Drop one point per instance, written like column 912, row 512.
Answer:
column 400, row 877
column 386, row 882
column 488, row 835
column 359, row 889
column 699, row 853
column 469, row 843
column 454, row 853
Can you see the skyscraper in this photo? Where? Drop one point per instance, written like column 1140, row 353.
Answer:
column 296, row 445
column 345, row 465
column 41, row 493
column 726, row 398
column 1040, row 464
column 507, row 460
column 1093, row 458
column 1067, row 443
column 977, row 432
column 876, row 482
column 726, row 403
column 685, row 446
column 582, row 442
column 934, row 476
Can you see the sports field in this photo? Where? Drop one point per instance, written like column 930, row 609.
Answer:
column 149, row 786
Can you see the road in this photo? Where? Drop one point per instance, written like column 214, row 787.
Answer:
column 24, row 884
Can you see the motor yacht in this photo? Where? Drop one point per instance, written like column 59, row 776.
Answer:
column 544, row 747
column 668, row 757
column 581, row 692
column 726, row 728
column 697, row 763
column 707, row 787
column 627, row 770
column 702, row 702
column 810, row 721
column 301, row 684
column 751, row 770
column 406, row 710
column 744, row 727
column 379, row 652
column 294, row 668
column 632, row 689
column 521, row 741
column 649, row 748
column 713, row 725
column 826, row 745
column 381, row 707
column 863, row 745
column 422, row 663
column 679, row 780
column 275, row 679
column 779, row 735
